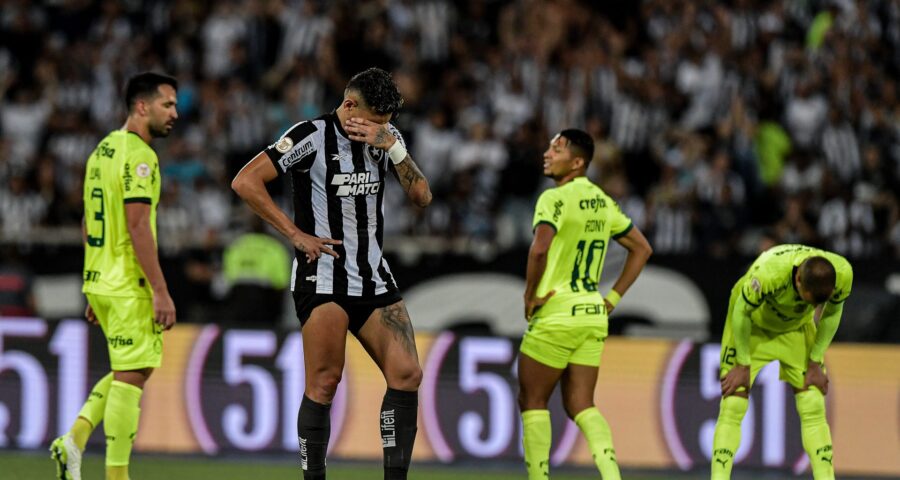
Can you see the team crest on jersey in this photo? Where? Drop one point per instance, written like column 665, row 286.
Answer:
column 142, row 170
column 283, row 145
column 374, row 155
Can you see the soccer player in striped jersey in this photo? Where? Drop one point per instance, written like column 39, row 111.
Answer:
column 772, row 315
column 124, row 284
column 567, row 317
column 340, row 281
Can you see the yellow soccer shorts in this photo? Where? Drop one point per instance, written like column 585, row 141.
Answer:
column 791, row 349
column 560, row 339
column 134, row 340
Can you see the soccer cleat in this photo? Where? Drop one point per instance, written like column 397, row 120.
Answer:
column 67, row 456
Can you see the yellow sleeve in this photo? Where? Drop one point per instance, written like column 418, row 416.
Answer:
column 549, row 210
column 140, row 172
column 740, row 328
column 620, row 224
column 828, row 325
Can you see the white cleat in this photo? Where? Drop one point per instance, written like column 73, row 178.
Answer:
column 67, row 456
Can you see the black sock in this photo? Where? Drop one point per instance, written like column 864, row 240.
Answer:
column 313, row 430
column 398, row 431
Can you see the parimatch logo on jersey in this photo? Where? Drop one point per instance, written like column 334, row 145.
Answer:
column 355, row 184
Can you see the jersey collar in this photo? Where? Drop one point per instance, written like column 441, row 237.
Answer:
column 337, row 123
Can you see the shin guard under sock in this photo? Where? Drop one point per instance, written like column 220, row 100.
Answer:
column 313, row 431
column 399, row 413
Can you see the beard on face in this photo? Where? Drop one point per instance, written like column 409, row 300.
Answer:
column 159, row 131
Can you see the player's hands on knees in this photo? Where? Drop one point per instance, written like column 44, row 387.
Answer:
column 534, row 303
column 375, row 134
column 90, row 316
column 816, row 377
column 163, row 309
column 737, row 377
column 314, row 247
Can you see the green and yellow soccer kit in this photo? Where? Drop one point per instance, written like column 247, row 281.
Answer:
column 122, row 169
column 767, row 320
column 572, row 326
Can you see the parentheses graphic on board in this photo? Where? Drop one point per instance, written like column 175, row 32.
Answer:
column 433, row 363
column 566, row 442
column 193, row 382
column 338, row 411
column 667, row 405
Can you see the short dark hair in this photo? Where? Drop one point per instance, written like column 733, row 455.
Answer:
column 580, row 143
column 817, row 276
column 144, row 85
column 378, row 90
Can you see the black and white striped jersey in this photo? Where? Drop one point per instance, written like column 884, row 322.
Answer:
column 338, row 190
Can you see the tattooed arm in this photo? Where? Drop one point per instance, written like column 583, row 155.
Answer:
column 413, row 182
column 407, row 172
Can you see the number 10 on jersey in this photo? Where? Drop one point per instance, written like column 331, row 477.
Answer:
column 584, row 275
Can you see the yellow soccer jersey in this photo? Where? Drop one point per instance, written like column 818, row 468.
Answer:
column 768, row 287
column 122, row 169
column 585, row 219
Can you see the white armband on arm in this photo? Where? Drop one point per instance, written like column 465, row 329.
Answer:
column 397, row 152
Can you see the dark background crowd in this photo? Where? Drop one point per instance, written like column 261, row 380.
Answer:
column 721, row 126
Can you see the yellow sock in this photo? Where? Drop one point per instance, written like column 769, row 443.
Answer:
column 599, row 437
column 91, row 413
column 81, row 431
column 727, row 437
column 536, row 432
column 814, row 433
column 121, row 421
column 117, row 473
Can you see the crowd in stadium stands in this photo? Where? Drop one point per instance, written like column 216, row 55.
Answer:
column 718, row 123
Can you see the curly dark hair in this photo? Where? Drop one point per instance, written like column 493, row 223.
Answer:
column 377, row 89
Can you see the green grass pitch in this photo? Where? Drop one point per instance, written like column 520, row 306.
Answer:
column 36, row 465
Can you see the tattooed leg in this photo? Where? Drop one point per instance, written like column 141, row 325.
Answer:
column 396, row 320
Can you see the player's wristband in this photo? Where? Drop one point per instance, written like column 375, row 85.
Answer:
column 397, row 152
column 613, row 298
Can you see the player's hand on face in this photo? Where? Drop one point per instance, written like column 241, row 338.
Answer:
column 375, row 134
column 163, row 309
column 737, row 377
column 534, row 303
column 314, row 247
column 89, row 315
column 816, row 377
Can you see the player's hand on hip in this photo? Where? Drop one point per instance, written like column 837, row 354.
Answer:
column 737, row 377
column 163, row 309
column 375, row 134
column 816, row 377
column 609, row 306
column 90, row 316
column 534, row 303
column 313, row 247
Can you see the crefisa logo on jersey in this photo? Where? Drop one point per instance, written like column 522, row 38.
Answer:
column 120, row 341
column 361, row 183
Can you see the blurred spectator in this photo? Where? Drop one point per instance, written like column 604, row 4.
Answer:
column 257, row 272
column 16, row 295
column 798, row 98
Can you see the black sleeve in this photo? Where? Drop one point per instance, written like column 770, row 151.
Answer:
column 296, row 148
